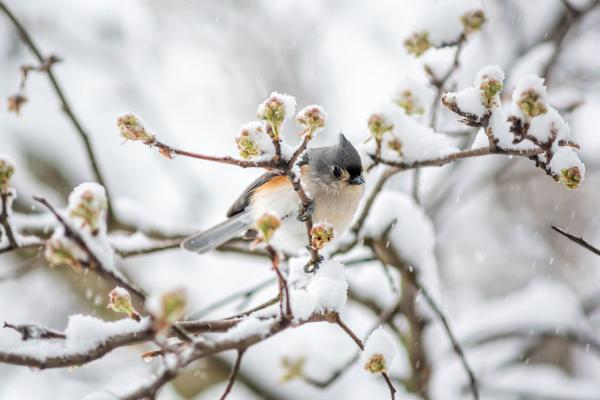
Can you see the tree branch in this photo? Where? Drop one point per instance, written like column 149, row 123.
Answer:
column 65, row 106
column 234, row 372
column 577, row 239
column 101, row 269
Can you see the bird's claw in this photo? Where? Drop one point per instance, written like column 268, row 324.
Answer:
column 312, row 267
column 306, row 211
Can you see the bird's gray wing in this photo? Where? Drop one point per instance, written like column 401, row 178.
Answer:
column 244, row 200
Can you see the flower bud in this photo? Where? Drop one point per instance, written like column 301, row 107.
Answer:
column 376, row 364
column 267, row 225
column 396, row 145
column 531, row 103
column 167, row 308
column 61, row 250
column 294, row 368
column 472, row 21
column 15, row 102
column 321, row 234
column 87, row 203
column 275, row 110
column 406, row 100
column 418, row 43
column 132, row 128
column 570, row 177
column 378, row 126
column 312, row 118
column 489, row 88
column 119, row 300
column 7, row 170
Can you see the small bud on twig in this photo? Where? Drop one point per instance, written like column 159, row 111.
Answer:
column 321, row 234
column 7, row 170
column 275, row 110
column 167, row 308
column 312, row 118
column 61, row 250
column 406, row 100
column 472, row 21
column 396, row 145
column 15, row 102
column 131, row 128
column 294, row 368
column 267, row 225
column 418, row 43
column 378, row 126
column 119, row 300
column 376, row 364
column 88, row 204
column 570, row 177
column 531, row 103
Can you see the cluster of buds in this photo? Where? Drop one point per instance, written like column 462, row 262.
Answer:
column 418, row 43
column 490, row 87
column 131, row 128
column 405, row 99
column 571, row 177
column 87, row 205
column 532, row 103
column 472, row 21
column 7, row 170
column 167, row 309
column 395, row 145
column 376, row 364
column 246, row 145
column 61, row 250
column 378, row 126
column 267, row 225
column 275, row 110
column 313, row 119
column 321, row 234
column 252, row 141
column 294, row 368
column 119, row 300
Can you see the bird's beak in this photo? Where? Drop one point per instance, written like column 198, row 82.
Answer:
column 356, row 180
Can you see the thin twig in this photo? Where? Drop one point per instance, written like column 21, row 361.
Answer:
column 65, row 106
column 349, row 332
column 234, row 372
column 577, row 239
column 169, row 151
column 438, row 162
column 233, row 297
column 12, row 240
column 101, row 269
column 456, row 347
column 390, row 385
column 284, row 293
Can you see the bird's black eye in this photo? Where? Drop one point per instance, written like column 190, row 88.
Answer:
column 337, row 172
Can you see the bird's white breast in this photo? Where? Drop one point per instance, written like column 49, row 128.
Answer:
column 334, row 206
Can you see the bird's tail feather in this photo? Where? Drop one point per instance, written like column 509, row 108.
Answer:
column 210, row 239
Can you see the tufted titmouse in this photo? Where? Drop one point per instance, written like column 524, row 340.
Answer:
column 331, row 175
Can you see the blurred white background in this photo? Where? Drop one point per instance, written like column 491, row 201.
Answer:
column 196, row 71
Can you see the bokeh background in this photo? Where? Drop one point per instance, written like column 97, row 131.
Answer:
column 195, row 71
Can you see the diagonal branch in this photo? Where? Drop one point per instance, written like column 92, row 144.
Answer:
column 101, row 269
column 65, row 106
column 456, row 347
column 577, row 239
column 234, row 372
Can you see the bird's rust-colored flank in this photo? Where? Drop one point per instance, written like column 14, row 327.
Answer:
column 274, row 183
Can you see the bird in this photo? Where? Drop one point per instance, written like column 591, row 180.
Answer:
column 332, row 176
